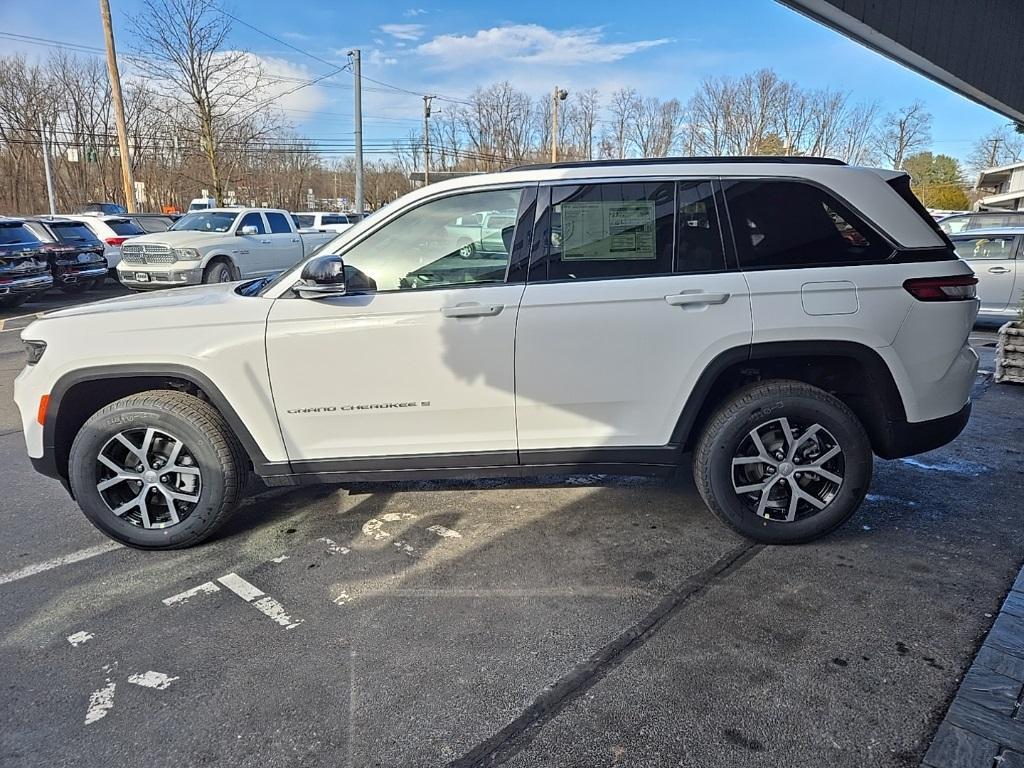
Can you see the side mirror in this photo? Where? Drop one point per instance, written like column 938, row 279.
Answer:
column 248, row 229
column 321, row 277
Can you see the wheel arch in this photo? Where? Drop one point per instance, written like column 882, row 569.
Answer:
column 78, row 394
column 216, row 256
column 852, row 372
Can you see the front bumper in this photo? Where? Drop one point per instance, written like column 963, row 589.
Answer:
column 29, row 284
column 132, row 277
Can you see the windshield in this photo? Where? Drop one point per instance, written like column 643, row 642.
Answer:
column 205, row 221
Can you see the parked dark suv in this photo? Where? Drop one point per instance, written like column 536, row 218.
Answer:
column 75, row 254
column 24, row 271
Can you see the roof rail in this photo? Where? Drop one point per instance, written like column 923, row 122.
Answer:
column 786, row 159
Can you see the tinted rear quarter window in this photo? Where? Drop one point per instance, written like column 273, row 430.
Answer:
column 39, row 230
column 783, row 223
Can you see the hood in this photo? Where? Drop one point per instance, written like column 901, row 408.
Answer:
column 179, row 239
column 156, row 301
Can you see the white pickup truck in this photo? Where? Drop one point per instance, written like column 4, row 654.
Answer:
column 217, row 246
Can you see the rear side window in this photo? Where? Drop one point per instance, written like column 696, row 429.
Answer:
column 333, row 220
column 609, row 230
column 154, row 223
column 782, row 223
column 125, row 227
column 73, row 232
column 17, row 234
column 985, row 248
column 278, row 223
column 302, row 221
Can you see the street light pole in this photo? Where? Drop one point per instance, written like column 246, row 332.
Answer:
column 557, row 96
column 115, row 92
column 46, row 167
column 357, row 73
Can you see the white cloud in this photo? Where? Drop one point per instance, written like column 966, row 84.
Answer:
column 403, row 31
column 413, row 12
column 531, row 43
column 286, row 76
column 379, row 58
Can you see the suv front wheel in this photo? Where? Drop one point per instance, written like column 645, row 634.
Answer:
column 783, row 462
column 157, row 470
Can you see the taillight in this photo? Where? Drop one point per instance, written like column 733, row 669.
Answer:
column 115, row 240
column 954, row 288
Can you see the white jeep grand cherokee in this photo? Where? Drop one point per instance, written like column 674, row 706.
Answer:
column 780, row 319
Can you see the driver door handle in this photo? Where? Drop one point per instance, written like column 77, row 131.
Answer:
column 265, row 242
column 998, row 270
column 472, row 310
column 696, row 298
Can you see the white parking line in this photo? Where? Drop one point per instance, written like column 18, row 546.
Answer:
column 183, row 597
column 101, row 701
column 256, row 597
column 152, row 679
column 57, row 562
column 80, row 637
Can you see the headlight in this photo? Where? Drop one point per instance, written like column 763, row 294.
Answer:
column 34, row 351
column 187, row 254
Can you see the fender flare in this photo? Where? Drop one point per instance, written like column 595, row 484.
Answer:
column 69, row 380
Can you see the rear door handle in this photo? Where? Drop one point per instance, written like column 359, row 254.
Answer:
column 998, row 270
column 296, row 239
column 697, row 298
column 265, row 242
column 472, row 310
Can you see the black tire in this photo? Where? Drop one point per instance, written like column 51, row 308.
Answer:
column 218, row 271
column 211, row 446
column 727, row 436
column 10, row 302
column 467, row 249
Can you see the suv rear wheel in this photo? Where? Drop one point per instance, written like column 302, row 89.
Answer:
column 157, row 470
column 783, row 462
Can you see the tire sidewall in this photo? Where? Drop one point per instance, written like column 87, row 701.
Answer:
column 82, row 474
column 803, row 409
column 216, row 270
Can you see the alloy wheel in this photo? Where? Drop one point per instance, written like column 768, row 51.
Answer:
column 148, row 477
column 785, row 470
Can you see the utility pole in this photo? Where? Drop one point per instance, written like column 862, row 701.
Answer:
column 115, row 91
column 46, row 167
column 992, row 154
column 557, row 96
column 357, row 74
column 426, row 139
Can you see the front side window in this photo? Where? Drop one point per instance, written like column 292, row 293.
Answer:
column 252, row 220
column 430, row 247
column 278, row 223
column 609, row 231
column 782, row 223
column 985, row 248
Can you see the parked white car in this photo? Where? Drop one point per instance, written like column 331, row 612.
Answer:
column 113, row 231
column 217, row 246
column 779, row 320
column 995, row 256
column 322, row 221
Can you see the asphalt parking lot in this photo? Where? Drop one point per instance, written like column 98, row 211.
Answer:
column 582, row 621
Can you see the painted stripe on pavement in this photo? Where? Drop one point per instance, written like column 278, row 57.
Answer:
column 57, row 562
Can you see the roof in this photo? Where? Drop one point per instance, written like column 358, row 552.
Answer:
column 787, row 159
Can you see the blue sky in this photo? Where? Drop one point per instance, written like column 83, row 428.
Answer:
column 661, row 48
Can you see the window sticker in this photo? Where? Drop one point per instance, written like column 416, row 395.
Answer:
column 608, row 230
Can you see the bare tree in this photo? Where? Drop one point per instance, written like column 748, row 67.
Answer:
column 904, row 132
column 623, row 106
column 1001, row 146
column 183, row 49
